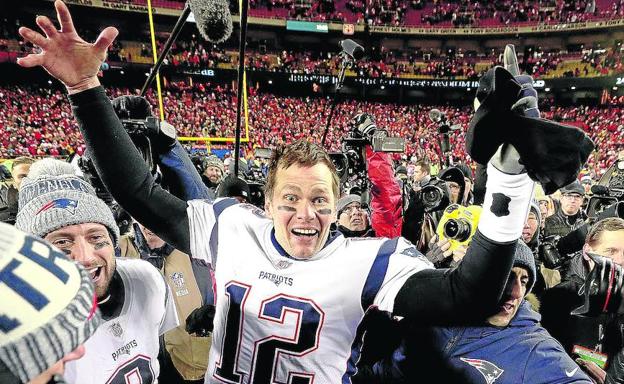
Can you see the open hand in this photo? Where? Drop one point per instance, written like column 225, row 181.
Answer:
column 64, row 54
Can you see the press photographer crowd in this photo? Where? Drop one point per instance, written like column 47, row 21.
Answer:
column 343, row 241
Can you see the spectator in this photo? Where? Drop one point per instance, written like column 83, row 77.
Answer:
column 581, row 335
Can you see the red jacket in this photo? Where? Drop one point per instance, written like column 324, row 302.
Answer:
column 386, row 199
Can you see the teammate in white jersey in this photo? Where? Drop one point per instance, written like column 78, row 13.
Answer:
column 290, row 297
column 136, row 304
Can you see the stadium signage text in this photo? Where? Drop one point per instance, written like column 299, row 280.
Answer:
column 408, row 83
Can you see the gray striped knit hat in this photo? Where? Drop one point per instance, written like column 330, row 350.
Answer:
column 49, row 307
column 52, row 196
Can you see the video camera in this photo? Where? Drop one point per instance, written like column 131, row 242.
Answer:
column 458, row 224
column 435, row 195
column 350, row 163
column 602, row 290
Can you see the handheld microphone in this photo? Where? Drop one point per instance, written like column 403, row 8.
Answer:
column 352, row 49
column 213, row 18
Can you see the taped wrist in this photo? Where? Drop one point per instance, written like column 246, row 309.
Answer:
column 506, row 205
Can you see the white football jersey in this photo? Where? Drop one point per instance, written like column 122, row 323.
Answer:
column 124, row 350
column 282, row 320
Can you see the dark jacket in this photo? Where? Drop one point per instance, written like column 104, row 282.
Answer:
column 561, row 224
column 522, row 352
column 571, row 330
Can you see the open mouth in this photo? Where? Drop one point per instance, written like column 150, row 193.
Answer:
column 304, row 232
column 507, row 308
column 95, row 273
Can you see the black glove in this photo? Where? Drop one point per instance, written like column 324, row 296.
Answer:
column 200, row 320
column 552, row 153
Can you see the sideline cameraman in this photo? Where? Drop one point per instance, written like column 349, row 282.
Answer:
column 386, row 199
column 598, row 337
column 569, row 215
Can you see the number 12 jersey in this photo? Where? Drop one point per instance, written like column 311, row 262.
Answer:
column 282, row 320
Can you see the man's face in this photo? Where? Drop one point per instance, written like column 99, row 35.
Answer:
column 419, row 173
column 454, row 189
column 302, row 207
column 19, row 172
column 353, row 217
column 515, row 290
column 530, row 226
column 571, row 203
column 213, row 174
column 153, row 241
column 91, row 245
column 610, row 244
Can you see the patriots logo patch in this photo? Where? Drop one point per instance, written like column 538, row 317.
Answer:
column 488, row 370
column 66, row 204
column 411, row 252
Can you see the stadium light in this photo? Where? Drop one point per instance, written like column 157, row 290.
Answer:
column 573, row 87
column 614, row 88
column 547, row 89
column 270, row 81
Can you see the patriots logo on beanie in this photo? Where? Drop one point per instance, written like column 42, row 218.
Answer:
column 68, row 204
column 52, row 196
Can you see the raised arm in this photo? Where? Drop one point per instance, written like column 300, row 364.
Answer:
column 74, row 62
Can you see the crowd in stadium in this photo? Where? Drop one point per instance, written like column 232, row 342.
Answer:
column 457, row 240
column 39, row 121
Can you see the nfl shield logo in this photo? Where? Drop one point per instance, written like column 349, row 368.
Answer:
column 116, row 329
column 178, row 279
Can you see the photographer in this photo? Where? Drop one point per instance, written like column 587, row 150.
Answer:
column 569, row 215
column 386, row 200
column 589, row 338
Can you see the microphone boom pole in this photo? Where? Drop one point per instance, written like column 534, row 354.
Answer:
column 241, row 76
column 172, row 38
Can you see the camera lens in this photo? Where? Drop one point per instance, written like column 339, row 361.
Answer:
column 431, row 196
column 457, row 229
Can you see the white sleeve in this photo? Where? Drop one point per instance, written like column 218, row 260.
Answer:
column 396, row 261
column 170, row 317
column 203, row 217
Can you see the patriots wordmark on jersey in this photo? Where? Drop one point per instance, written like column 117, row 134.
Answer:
column 283, row 320
column 124, row 349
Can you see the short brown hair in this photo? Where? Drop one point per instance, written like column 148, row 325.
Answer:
column 303, row 153
column 610, row 224
column 22, row 160
column 424, row 165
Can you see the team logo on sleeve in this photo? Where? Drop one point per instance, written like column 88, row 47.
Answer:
column 66, row 204
column 488, row 370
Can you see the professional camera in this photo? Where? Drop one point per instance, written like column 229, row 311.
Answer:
column 444, row 129
column 350, row 163
column 435, row 195
column 605, row 198
column 602, row 290
column 458, row 224
column 256, row 181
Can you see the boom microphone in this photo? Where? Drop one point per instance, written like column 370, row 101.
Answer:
column 435, row 115
column 352, row 48
column 213, row 18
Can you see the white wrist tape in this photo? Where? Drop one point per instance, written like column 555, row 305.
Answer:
column 506, row 205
